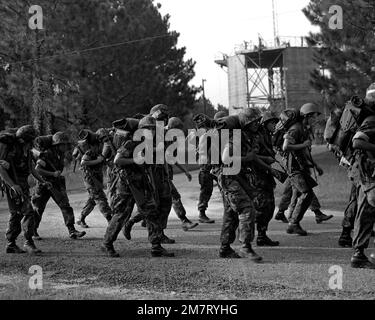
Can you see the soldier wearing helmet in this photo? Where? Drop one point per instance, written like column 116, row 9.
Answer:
column 364, row 144
column 50, row 165
column 160, row 112
column 15, row 168
column 297, row 145
column 148, row 186
column 92, row 166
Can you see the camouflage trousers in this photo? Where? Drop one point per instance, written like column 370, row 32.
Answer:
column 96, row 197
column 287, row 197
column 177, row 205
column 22, row 215
column 264, row 203
column 60, row 197
column 351, row 209
column 302, row 186
column 239, row 212
column 123, row 205
column 206, row 182
column 365, row 217
column 163, row 201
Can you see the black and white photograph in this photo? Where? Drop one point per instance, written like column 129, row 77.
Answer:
column 188, row 157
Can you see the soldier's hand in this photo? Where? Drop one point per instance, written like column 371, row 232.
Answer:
column 189, row 177
column 57, row 174
column 101, row 158
column 4, row 164
column 48, row 185
column 307, row 144
column 18, row 190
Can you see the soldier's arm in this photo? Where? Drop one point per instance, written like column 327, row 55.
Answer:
column 87, row 162
column 36, row 175
column 122, row 161
column 4, row 166
column 183, row 169
column 361, row 141
column 40, row 169
column 290, row 142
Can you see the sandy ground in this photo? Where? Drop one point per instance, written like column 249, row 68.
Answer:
column 298, row 269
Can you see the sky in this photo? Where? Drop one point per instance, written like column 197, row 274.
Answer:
column 210, row 27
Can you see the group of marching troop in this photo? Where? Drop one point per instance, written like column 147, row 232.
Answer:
column 266, row 141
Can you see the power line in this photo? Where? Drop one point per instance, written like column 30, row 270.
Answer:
column 71, row 53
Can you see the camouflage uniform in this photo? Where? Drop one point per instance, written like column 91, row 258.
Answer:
column 22, row 214
column 93, row 180
column 239, row 210
column 264, row 185
column 52, row 161
column 301, row 180
column 133, row 187
column 206, row 182
column 365, row 217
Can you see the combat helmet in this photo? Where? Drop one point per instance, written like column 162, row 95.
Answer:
column 27, row 133
column 147, row 123
column 248, row 116
column 60, row 138
column 203, row 121
column 269, row 116
column 102, row 134
column 220, row 115
column 175, row 123
column 88, row 136
column 309, row 108
column 160, row 112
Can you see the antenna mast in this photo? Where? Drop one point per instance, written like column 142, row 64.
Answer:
column 275, row 25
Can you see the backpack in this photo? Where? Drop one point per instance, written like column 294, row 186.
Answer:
column 340, row 132
column 288, row 118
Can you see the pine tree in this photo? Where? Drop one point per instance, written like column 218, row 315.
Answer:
column 345, row 56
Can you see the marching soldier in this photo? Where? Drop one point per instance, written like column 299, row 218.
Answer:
column 364, row 144
column 50, row 165
column 239, row 210
column 15, row 168
column 264, row 182
column 92, row 166
column 206, row 181
column 297, row 146
column 136, row 185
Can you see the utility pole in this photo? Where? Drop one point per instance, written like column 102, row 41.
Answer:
column 204, row 97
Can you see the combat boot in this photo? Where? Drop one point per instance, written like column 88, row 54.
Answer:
column 158, row 251
column 127, row 230
column 320, row 217
column 36, row 236
column 30, row 248
column 360, row 261
column 204, row 219
column 82, row 223
column 280, row 216
column 264, row 241
column 166, row 240
column 226, row 252
column 296, row 229
column 110, row 251
column 74, row 234
column 188, row 225
column 346, row 240
column 13, row 248
column 248, row 252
